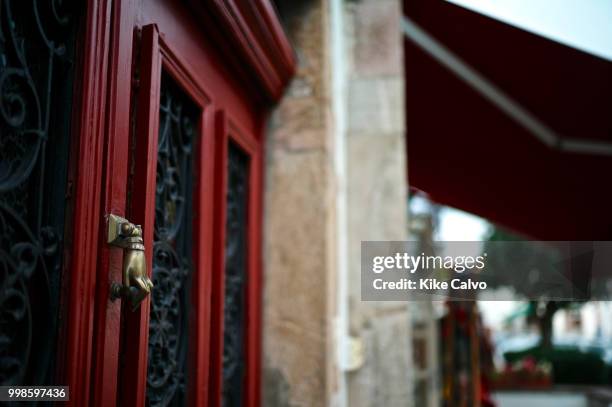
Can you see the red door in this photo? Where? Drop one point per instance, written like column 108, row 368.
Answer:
column 168, row 101
column 171, row 141
column 188, row 175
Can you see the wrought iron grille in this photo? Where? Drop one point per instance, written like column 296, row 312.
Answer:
column 235, row 277
column 172, row 250
column 37, row 44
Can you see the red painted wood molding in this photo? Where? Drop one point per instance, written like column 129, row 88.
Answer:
column 251, row 36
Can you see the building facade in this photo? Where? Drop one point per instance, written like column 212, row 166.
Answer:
column 184, row 187
column 335, row 175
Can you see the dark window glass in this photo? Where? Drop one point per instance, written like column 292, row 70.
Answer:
column 235, row 277
column 172, row 249
column 37, row 53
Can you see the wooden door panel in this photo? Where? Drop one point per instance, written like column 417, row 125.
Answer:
column 135, row 46
column 143, row 161
column 173, row 163
column 107, row 313
column 203, row 258
column 236, row 299
column 90, row 133
column 198, row 53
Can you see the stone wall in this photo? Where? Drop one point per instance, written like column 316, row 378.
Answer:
column 377, row 195
column 302, row 334
column 299, row 221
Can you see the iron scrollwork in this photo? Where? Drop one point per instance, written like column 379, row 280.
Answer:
column 172, row 266
column 235, row 277
column 36, row 69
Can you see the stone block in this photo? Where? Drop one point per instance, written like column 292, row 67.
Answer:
column 377, row 43
column 376, row 105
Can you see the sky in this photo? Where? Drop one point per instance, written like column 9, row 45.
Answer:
column 456, row 225
column 453, row 224
column 581, row 24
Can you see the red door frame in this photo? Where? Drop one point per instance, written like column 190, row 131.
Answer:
column 142, row 206
column 229, row 130
column 156, row 56
column 86, row 172
column 102, row 126
column 203, row 239
column 107, row 313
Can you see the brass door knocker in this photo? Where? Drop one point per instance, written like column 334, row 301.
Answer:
column 136, row 284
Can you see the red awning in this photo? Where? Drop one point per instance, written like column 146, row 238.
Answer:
column 507, row 124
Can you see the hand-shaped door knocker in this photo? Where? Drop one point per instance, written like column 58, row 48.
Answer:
column 136, row 284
